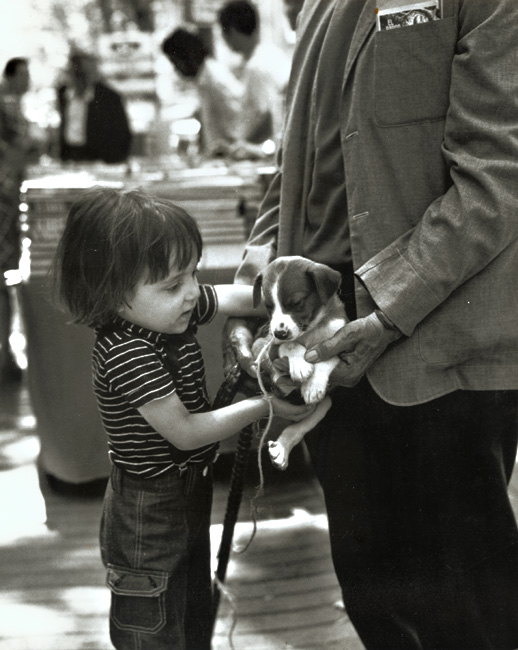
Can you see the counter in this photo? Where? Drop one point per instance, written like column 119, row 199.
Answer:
column 219, row 196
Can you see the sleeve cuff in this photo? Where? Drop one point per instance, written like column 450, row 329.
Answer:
column 398, row 290
column 255, row 259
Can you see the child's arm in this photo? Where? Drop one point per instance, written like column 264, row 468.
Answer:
column 186, row 430
column 236, row 300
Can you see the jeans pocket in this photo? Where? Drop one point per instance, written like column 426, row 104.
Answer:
column 138, row 599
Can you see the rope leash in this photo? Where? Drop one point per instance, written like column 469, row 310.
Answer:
column 268, row 398
column 225, row 396
column 231, row 598
column 259, row 491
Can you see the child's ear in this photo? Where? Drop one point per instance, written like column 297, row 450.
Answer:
column 123, row 306
column 257, row 293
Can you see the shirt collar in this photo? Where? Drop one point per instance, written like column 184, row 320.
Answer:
column 86, row 97
column 136, row 330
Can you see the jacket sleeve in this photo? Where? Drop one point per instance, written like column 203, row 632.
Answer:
column 476, row 219
column 262, row 244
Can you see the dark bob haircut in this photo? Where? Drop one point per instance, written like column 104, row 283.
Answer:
column 112, row 239
column 186, row 50
column 11, row 67
column 239, row 14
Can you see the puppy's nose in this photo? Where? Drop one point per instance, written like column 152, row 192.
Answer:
column 281, row 333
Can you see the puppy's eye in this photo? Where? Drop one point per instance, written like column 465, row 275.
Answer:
column 269, row 307
column 299, row 304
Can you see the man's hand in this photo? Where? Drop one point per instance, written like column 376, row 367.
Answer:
column 358, row 344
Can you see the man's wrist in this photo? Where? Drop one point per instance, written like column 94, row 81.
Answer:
column 387, row 323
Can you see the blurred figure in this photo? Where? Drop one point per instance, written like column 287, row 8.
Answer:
column 264, row 72
column 219, row 92
column 94, row 125
column 291, row 10
column 16, row 150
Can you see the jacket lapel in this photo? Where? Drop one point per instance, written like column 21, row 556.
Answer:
column 366, row 23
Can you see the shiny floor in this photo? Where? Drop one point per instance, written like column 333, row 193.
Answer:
column 280, row 593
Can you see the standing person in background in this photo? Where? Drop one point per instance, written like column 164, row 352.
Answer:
column 292, row 9
column 400, row 169
column 94, row 125
column 264, row 72
column 16, row 150
column 219, row 92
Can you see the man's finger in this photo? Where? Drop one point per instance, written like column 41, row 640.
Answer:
column 340, row 342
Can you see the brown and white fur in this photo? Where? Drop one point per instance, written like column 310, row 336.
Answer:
column 304, row 308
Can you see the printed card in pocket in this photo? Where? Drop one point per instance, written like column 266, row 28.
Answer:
column 408, row 15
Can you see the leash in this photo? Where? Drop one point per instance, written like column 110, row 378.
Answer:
column 224, row 397
column 260, row 356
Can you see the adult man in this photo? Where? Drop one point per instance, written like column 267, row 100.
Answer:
column 94, row 125
column 16, row 150
column 264, row 72
column 400, row 163
column 219, row 92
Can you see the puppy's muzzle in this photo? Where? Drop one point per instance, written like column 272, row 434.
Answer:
column 281, row 332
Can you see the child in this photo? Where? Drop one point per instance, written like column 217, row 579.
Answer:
column 126, row 265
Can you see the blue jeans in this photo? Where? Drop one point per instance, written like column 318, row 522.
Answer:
column 155, row 544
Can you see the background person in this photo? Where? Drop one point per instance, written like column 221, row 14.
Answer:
column 292, row 9
column 401, row 172
column 219, row 92
column 264, row 72
column 94, row 125
column 16, row 151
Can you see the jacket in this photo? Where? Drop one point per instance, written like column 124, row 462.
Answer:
column 108, row 135
column 429, row 136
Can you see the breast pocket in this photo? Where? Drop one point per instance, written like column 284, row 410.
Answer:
column 412, row 72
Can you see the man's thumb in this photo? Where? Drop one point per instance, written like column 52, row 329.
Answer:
column 326, row 349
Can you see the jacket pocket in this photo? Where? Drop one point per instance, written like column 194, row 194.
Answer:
column 412, row 72
column 138, row 599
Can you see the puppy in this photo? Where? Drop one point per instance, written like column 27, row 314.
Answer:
column 301, row 299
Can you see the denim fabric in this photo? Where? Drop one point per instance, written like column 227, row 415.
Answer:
column 155, row 545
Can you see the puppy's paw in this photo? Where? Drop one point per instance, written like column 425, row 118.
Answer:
column 314, row 390
column 301, row 370
column 278, row 454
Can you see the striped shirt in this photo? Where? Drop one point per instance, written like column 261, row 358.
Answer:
column 133, row 366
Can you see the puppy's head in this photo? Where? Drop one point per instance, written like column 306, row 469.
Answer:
column 296, row 292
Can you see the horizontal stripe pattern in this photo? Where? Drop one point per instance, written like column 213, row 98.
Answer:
column 133, row 366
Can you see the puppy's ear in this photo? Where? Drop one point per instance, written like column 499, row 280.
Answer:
column 327, row 281
column 256, row 294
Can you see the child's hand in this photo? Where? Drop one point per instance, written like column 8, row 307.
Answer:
column 293, row 412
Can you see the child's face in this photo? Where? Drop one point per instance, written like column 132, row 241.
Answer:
column 165, row 306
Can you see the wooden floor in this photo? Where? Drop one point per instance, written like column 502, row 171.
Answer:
column 282, row 592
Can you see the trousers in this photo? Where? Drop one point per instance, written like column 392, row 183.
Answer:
column 155, row 544
column 423, row 536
